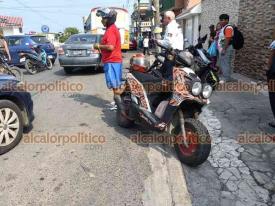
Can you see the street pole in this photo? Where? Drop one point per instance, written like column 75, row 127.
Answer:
column 157, row 13
column 157, row 22
column 139, row 19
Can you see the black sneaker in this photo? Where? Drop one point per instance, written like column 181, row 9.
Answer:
column 271, row 124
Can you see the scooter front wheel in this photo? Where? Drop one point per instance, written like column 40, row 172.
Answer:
column 197, row 146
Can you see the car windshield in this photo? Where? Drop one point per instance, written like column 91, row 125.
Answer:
column 40, row 39
column 82, row 39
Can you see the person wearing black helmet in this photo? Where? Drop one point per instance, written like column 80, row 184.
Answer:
column 110, row 48
column 41, row 54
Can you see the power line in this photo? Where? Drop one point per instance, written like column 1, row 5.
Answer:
column 50, row 12
column 38, row 13
column 61, row 6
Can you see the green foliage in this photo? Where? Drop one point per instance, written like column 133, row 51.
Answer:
column 67, row 33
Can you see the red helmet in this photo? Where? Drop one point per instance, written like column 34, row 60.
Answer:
column 139, row 63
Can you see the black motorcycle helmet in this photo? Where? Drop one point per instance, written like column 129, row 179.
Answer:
column 107, row 13
column 37, row 48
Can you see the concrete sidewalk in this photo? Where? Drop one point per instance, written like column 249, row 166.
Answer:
column 242, row 160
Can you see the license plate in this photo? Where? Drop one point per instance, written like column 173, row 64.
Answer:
column 94, row 55
column 23, row 59
column 50, row 56
column 77, row 53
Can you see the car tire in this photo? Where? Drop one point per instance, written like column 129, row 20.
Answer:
column 11, row 125
column 68, row 70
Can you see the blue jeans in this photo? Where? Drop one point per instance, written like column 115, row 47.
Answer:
column 225, row 62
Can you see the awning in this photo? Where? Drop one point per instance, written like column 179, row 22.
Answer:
column 185, row 14
column 10, row 21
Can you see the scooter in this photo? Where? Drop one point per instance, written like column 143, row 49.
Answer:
column 173, row 110
column 200, row 62
column 36, row 60
column 203, row 65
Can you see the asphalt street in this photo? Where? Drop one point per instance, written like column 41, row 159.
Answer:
column 113, row 170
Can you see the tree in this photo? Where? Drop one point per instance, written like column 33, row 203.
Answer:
column 67, row 33
column 70, row 31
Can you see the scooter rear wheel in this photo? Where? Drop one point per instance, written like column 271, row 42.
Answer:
column 29, row 67
column 121, row 117
column 49, row 64
column 17, row 72
column 122, row 120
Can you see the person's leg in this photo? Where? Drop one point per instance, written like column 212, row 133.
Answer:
column 144, row 50
column 107, row 73
column 115, row 81
column 227, row 61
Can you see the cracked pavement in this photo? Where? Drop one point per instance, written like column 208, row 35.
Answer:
column 238, row 173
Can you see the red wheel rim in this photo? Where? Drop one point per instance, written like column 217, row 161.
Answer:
column 192, row 141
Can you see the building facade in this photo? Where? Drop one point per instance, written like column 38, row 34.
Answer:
column 10, row 25
column 189, row 19
column 175, row 5
column 211, row 10
column 256, row 20
column 142, row 20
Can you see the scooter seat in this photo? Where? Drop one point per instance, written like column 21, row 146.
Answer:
column 146, row 77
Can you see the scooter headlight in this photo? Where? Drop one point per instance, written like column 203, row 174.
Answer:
column 196, row 88
column 207, row 91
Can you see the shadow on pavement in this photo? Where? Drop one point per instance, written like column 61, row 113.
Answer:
column 79, row 72
column 109, row 118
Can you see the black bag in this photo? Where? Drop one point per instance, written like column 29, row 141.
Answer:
column 238, row 39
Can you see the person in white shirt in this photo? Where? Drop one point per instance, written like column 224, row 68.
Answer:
column 146, row 45
column 173, row 37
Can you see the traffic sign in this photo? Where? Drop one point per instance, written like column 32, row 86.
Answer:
column 45, row 29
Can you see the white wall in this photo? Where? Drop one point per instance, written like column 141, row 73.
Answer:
column 11, row 31
column 191, row 29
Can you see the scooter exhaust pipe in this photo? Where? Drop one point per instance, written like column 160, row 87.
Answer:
column 152, row 118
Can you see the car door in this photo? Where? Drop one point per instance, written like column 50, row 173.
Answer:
column 15, row 45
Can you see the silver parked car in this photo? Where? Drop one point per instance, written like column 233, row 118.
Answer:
column 78, row 51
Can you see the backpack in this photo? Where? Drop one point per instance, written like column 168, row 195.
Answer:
column 238, row 39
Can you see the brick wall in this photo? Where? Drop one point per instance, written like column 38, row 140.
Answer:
column 211, row 10
column 257, row 22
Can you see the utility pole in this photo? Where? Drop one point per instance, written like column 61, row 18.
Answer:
column 157, row 22
column 157, row 12
column 139, row 19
